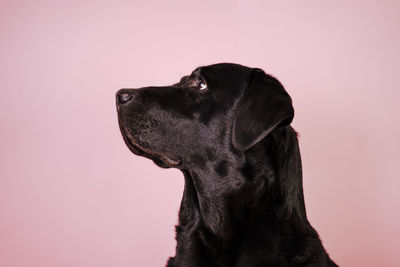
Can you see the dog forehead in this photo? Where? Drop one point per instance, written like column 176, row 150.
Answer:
column 224, row 78
column 223, row 68
column 224, row 73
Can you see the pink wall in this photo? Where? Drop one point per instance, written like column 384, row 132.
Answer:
column 71, row 194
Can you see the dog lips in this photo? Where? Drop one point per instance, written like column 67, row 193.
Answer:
column 170, row 161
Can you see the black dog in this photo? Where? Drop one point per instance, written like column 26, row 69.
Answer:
column 226, row 127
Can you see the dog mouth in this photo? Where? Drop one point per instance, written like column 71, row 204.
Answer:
column 160, row 158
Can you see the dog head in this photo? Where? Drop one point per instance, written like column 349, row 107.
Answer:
column 217, row 110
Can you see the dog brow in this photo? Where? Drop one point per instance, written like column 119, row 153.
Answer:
column 196, row 72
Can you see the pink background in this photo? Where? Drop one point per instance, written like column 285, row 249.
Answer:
column 71, row 194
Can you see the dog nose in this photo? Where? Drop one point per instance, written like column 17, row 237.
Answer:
column 124, row 96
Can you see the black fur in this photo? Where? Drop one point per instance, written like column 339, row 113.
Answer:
column 243, row 202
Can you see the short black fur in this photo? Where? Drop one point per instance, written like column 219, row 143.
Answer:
column 242, row 204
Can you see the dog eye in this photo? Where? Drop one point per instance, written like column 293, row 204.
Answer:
column 201, row 85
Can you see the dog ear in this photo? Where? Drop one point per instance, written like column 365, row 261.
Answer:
column 264, row 106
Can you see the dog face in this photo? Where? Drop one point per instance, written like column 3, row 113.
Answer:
column 216, row 111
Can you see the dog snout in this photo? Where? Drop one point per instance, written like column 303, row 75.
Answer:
column 124, row 96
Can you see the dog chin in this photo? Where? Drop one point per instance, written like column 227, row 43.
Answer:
column 161, row 159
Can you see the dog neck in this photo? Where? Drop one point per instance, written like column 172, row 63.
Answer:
column 260, row 189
